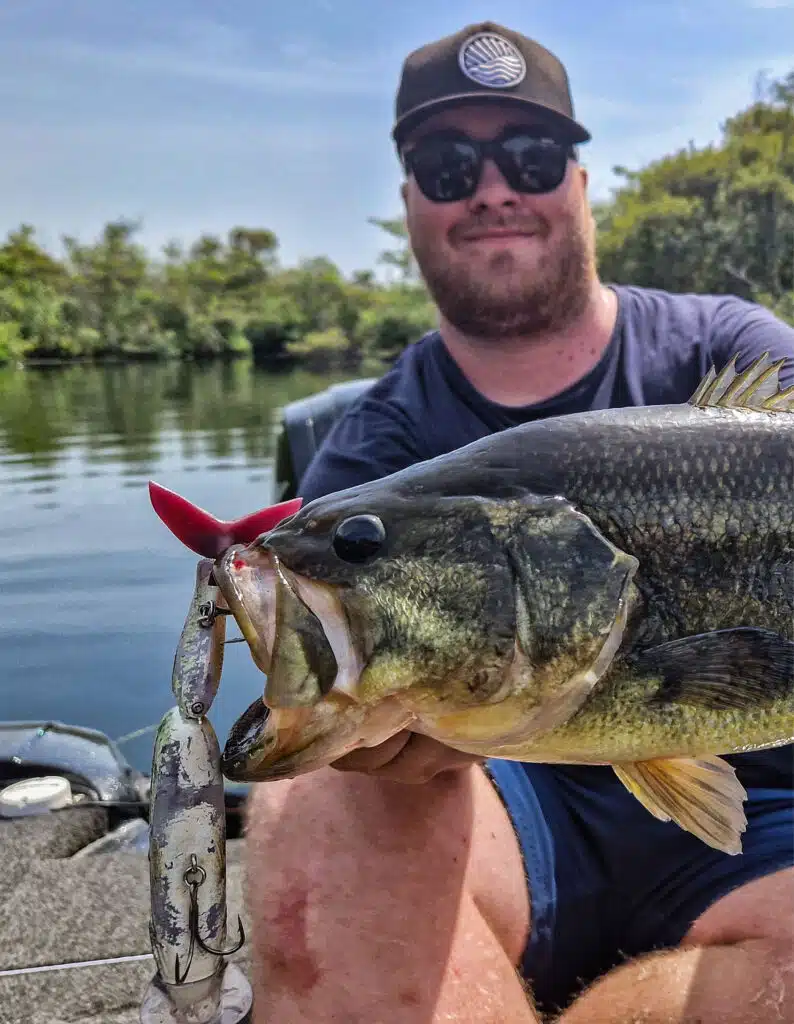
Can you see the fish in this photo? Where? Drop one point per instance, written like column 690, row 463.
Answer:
column 279, row 743
column 613, row 587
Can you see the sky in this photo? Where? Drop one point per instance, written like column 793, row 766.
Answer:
column 194, row 116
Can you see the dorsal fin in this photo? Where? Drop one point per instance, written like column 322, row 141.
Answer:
column 757, row 387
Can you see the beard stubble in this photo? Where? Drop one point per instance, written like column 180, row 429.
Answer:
column 503, row 297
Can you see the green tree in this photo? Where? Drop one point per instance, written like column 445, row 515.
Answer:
column 716, row 218
column 400, row 258
column 713, row 219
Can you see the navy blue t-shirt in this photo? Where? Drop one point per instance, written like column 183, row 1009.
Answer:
column 662, row 346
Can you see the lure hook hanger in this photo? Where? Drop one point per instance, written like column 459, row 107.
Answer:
column 209, row 612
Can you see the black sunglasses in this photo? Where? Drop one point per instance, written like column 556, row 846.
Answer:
column 447, row 165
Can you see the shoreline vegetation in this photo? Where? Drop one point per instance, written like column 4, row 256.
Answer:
column 714, row 219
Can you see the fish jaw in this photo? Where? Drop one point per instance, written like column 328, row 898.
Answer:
column 267, row 744
column 296, row 628
column 254, row 740
column 249, row 590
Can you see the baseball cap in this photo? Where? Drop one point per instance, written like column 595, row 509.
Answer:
column 485, row 62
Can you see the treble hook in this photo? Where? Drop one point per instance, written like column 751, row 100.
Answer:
column 198, row 877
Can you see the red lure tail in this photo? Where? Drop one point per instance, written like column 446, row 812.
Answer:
column 206, row 535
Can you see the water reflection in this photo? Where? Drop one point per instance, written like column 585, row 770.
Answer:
column 93, row 588
column 129, row 414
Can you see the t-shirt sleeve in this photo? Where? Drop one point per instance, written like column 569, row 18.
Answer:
column 370, row 441
column 747, row 330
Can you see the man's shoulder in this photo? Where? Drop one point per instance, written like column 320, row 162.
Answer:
column 706, row 329
column 403, row 384
column 707, row 311
column 384, row 428
column 701, row 307
column 405, row 394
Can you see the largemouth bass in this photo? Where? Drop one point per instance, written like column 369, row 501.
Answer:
column 608, row 588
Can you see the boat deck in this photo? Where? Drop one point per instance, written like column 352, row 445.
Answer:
column 58, row 908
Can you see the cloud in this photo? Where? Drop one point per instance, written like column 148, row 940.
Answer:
column 215, row 54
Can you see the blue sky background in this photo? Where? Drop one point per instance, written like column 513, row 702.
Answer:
column 195, row 115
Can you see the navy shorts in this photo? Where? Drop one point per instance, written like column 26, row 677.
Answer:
column 609, row 881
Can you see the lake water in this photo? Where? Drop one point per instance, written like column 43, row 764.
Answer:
column 93, row 589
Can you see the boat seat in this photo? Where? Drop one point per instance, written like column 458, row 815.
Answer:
column 303, row 426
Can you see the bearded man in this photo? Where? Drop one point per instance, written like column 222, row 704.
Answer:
column 412, row 883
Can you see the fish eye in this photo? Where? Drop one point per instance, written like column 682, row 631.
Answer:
column 358, row 538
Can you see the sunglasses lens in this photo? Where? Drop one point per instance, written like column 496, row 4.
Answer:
column 448, row 170
column 445, row 170
column 533, row 164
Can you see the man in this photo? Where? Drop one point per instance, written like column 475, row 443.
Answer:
column 497, row 893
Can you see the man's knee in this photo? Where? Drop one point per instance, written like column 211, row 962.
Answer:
column 387, row 843
column 762, row 909
column 363, row 891
column 744, row 969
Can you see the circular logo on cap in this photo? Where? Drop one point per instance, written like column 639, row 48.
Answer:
column 489, row 59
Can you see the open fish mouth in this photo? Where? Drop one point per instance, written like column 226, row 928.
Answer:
column 261, row 740
column 266, row 744
column 296, row 628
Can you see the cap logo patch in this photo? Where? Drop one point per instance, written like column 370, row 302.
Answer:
column 489, row 59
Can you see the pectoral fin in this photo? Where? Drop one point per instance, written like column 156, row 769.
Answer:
column 701, row 795
column 728, row 668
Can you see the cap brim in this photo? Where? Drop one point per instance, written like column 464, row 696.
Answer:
column 574, row 132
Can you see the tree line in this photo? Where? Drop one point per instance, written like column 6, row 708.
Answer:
column 718, row 218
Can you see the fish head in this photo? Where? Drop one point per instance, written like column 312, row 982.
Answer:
column 367, row 597
column 458, row 604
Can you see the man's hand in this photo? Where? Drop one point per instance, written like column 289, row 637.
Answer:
column 407, row 757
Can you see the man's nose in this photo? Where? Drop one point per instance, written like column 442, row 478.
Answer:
column 492, row 189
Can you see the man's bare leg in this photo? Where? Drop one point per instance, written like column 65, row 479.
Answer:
column 374, row 901
column 736, row 966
